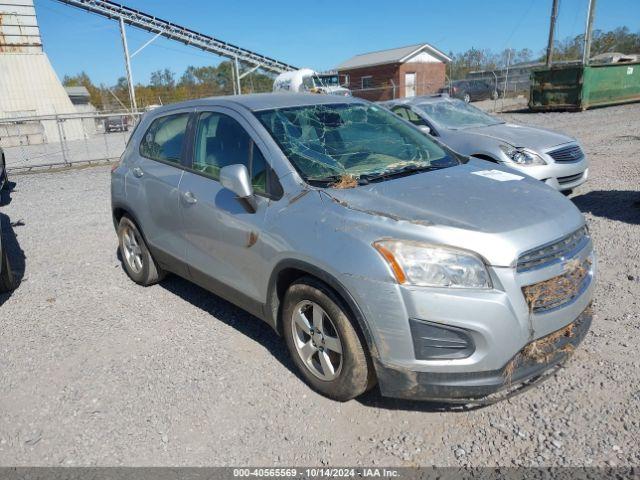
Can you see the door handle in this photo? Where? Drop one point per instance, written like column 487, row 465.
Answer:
column 189, row 198
column 137, row 172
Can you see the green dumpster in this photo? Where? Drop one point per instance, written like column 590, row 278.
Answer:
column 578, row 87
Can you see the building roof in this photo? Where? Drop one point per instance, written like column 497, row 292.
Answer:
column 77, row 91
column 394, row 55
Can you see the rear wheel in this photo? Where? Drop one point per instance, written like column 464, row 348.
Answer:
column 7, row 280
column 466, row 97
column 323, row 342
column 136, row 257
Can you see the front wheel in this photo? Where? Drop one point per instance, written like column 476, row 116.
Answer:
column 466, row 97
column 7, row 280
column 323, row 342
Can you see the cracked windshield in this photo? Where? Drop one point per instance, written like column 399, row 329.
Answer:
column 361, row 142
column 456, row 114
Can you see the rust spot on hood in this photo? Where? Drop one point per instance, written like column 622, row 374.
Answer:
column 298, row 197
column 253, row 238
column 346, row 181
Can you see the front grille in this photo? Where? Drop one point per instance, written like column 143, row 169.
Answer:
column 572, row 153
column 569, row 179
column 560, row 290
column 565, row 247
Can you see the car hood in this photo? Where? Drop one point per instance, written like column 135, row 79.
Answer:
column 535, row 138
column 498, row 219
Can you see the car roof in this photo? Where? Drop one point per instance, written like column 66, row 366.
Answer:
column 418, row 100
column 263, row 101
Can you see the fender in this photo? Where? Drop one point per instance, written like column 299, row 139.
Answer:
column 273, row 306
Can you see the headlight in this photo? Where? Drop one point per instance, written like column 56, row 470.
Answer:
column 427, row 265
column 522, row 156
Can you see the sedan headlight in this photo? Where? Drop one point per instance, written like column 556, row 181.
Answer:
column 425, row 265
column 522, row 156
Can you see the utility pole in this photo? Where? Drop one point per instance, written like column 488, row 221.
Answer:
column 552, row 32
column 237, row 67
column 586, row 53
column 127, row 61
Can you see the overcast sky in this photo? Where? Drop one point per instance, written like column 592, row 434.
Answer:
column 318, row 34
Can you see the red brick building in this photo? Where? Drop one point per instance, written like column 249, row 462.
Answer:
column 396, row 73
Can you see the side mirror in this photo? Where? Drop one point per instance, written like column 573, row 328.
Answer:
column 425, row 129
column 236, row 178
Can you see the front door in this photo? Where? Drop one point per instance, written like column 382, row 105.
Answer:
column 410, row 84
column 224, row 239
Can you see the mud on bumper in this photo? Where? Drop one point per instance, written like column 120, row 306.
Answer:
column 531, row 363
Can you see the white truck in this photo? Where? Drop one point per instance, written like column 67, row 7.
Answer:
column 307, row 80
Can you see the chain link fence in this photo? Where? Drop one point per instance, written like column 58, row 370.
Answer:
column 390, row 91
column 36, row 142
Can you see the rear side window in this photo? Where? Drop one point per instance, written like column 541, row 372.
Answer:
column 164, row 138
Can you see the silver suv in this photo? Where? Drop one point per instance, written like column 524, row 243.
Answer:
column 380, row 255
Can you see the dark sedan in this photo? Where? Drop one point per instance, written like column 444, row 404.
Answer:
column 471, row 90
column 119, row 123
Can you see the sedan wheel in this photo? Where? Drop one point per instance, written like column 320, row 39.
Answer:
column 317, row 341
column 466, row 98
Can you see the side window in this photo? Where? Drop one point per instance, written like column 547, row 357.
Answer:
column 222, row 141
column 401, row 112
column 164, row 138
column 258, row 169
column 414, row 118
column 307, row 83
column 409, row 115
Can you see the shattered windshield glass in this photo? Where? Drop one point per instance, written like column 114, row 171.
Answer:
column 355, row 140
column 456, row 114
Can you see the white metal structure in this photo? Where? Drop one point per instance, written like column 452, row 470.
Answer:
column 150, row 23
column 28, row 84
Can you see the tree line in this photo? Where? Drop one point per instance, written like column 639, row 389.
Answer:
column 197, row 82
column 164, row 87
column 620, row 40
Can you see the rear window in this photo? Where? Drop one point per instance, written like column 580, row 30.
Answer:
column 164, row 138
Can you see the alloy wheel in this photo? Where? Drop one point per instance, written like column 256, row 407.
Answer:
column 317, row 340
column 131, row 249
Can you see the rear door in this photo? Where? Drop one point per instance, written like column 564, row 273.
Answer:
column 223, row 239
column 152, row 187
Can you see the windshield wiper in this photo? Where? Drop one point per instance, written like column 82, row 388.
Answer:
column 331, row 179
column 398, row 172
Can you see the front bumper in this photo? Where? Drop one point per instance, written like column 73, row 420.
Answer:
column 523, row 367
column 499, row 323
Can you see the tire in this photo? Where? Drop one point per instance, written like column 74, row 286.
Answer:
column 350, row 373
column 7, row 280
column 466, row 97
column 136, row 257
column 4, row 178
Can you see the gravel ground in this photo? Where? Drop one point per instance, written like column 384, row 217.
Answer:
column 98, row 371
